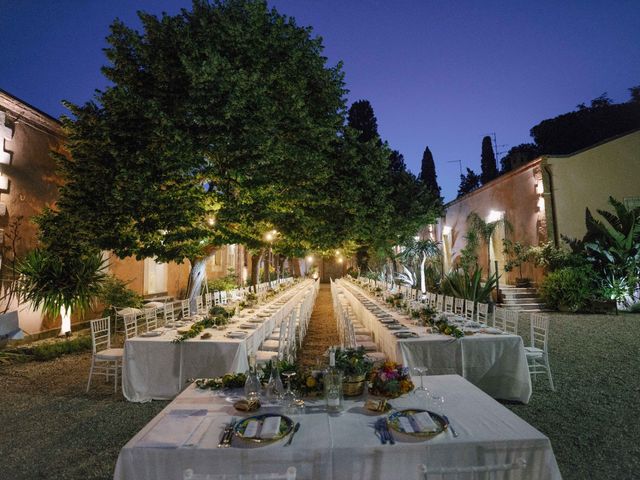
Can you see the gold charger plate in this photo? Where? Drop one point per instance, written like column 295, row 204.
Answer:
column 394, row 423
column 286, row 426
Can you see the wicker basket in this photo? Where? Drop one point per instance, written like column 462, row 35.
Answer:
column 353, row 386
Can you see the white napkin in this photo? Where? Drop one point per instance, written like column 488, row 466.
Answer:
column 270, row 427
column 424, row 422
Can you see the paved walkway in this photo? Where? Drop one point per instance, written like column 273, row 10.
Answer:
column 322, row 331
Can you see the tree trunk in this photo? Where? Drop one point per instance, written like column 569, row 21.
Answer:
column 197, row 276
column 255, row 269
column 65, row 314
column 423, row 280
column 281, row 260
column 267, row 264
column 295, row 267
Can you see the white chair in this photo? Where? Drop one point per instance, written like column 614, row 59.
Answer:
column 448, row 304
column 105, row 360
column 482, row 313
column 200, row 305
column 440, row 303
column 458, row 306
column 469, row 310
column 537, row 353
column 130, row 326
column 208, row 301
column 224, row 298
column 169, row 312
column 185, row 309
column 151, row 318
column 511, row 321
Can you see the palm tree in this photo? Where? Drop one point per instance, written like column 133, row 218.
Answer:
column 60, row 285
column 485, row 230
column 421, row 251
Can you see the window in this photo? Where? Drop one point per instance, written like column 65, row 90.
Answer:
column 155, row 276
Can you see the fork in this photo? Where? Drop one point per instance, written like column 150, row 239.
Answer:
column 227, row 434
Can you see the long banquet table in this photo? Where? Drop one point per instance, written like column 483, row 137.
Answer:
column 155, row 368
column 497, row 364
column 181, row 442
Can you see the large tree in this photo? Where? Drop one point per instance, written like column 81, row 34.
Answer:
column 587, row 125
column 519, row 155
column 363, row 120
column 216, row 120
column 489, row 170
column 428, row 173
column 468, row 182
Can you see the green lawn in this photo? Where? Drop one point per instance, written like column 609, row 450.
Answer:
column 52, row 429
column 593, row 417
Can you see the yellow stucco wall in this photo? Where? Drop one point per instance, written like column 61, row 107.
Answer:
column 588, row 178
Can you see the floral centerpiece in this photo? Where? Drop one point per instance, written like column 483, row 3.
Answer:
column 355, row 367
column 424, row 315
column 443, row 326
column 390, row 380
column 218, row 316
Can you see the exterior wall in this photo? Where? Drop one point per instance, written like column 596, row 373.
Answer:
column 517, row 194
column 27, row 138
column 588, row 178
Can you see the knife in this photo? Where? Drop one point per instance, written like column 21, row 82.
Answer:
column 295, row 429
column 227, row 435
column 453, row 430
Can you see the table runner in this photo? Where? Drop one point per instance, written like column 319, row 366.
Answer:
column 344, row 446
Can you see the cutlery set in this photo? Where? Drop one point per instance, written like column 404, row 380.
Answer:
column 383, row 432
column 227, row 434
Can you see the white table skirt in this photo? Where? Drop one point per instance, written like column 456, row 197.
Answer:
column 343, row 446
column 497, row 364
column 155, row 368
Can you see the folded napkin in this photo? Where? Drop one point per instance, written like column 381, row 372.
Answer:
column 418, row 423
column 269, row 428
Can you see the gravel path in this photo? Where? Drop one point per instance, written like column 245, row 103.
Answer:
column 322, row 331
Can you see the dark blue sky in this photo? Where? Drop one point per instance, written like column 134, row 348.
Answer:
column 438, row 73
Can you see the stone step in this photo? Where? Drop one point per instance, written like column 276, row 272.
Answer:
column 518, row 296
column 508, row 289
column 523, row 306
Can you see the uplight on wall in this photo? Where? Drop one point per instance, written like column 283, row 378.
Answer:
column 446, row 230
column 494, row 216
column 4, row 182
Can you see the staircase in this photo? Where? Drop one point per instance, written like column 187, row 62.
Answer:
column 522, row 299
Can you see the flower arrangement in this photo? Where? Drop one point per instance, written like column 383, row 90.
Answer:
column 353, row 362
column 424, row 315
column 443, row 326
column 390, row 380
column 217, row 316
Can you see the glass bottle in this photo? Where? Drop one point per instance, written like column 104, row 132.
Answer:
column 252, row 383
column 333, row 384
column 275, row 389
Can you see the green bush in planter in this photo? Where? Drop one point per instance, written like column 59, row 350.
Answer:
column 570, row 288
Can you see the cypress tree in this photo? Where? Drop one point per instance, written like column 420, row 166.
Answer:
column 362, row 118
column 488, row 162
column 428, row 173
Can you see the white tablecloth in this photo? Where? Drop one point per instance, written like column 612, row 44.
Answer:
column 495, row 363
column 343, row 446
column 155, row 368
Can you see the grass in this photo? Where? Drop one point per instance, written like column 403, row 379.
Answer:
column 592, row 418
column 52, row 429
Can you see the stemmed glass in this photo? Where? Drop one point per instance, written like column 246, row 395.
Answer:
column 437, row 403
column 289, row 398
column 422, row 371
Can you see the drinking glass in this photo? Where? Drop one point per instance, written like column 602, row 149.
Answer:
column 275, row 389
column 437, row 403
column 422, row 371
column 252, row 385
column 289, row 399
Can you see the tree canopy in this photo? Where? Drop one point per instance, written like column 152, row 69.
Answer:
column 468, row 182
column 220, row 123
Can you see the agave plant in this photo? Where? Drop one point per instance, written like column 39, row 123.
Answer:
column 461, row 284
column 60, row 285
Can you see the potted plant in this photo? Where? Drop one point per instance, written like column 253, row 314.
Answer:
column 355, row 367
column 517, row 254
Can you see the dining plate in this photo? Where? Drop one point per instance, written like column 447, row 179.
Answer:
column 152, row 333
column 249, row 326
column 236, row 334
column 286, row 427
column 405, row 334
column 395, row 423
column 491, row 330
column 394, row 326
column 263, row 315
column 388, row 320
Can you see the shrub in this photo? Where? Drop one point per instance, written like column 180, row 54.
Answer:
column 116, row 294
column 570, row 288
column 226, row 283
column 49, row 351
column 551, row 258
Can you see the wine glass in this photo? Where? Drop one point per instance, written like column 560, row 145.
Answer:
column 275, row 389
column 421, row 390
column 289, row 399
